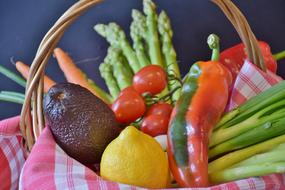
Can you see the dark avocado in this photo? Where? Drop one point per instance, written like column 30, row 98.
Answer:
column 81, row 123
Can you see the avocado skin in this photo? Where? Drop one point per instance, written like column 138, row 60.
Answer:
column 81, row 123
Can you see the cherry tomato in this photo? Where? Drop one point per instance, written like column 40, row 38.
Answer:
column 160, row 108
column 126, row 90
column 151, row 79
column 128, row 107
column 155, row 125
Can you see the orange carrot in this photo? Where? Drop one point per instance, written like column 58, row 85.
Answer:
column 24, row 70
column 74, row 75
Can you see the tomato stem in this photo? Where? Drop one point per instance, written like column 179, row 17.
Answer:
column 214, row 44
column 172, row 77
column 169, row 93
column 279, row 56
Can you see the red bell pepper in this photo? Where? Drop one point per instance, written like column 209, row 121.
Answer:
column 233, row 58
column 203, row 99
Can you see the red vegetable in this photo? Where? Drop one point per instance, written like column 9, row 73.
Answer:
column 233, row 58
column 127, row 90
column 160, row 108
column 203, row 99
column 151, row 79
column 129, row 106
column 155, row 125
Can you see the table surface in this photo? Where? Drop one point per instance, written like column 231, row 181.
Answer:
column 24, row 23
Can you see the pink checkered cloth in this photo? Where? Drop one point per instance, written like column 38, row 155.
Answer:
column 49, row 168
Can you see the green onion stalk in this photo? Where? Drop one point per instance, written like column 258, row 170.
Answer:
column 14, row 97
column 13, row 76
column 267, row 108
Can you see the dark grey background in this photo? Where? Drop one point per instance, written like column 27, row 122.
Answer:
column 24, row 23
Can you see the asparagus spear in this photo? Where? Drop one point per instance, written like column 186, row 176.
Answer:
column 117, row 38
column 152, row 33
column 127, row 65
column 122, row 76
column 138, row 30
column 241, row 172
column 166, row 33
column 237, row 156
column 106, row 97
column 107, row 75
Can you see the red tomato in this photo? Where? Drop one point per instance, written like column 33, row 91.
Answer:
column 126, row 90
column 160, row 108
column 128, row 107
column 155, row 125
column 151, row 79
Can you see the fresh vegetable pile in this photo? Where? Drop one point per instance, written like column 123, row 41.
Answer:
column 149, row 101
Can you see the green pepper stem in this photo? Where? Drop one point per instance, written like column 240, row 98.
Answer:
column 280, row 55
column 214, row 44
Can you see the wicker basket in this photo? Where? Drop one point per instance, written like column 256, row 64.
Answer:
column 32, row 118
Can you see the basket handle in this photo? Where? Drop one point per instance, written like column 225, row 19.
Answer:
column 30, row 126
column 32, row 118
column 244, row 31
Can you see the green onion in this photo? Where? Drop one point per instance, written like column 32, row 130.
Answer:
column 258, row 134
column 241, row 172
column 13, row 76
column 235, row 157
column 265, row 107
column 11, row 98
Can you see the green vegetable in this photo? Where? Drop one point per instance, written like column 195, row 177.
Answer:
column 260, row 109
column 12, row 97
column 13, row 76
column 107, row 97
column 169, row 54
column 117, row 38
column 235, row 157
column 258, row 102
column 11, row 93
column 268, row 157
column 258, row 134
column 106, row 72
column 241, row 172
column 280, row 55
column 138, row 31
column 152, row 33
column 122, row 75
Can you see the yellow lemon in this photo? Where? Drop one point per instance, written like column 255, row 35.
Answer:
column 135, row 158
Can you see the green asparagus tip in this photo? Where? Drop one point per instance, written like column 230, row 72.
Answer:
column 100, row 29
column 115, row 34
column 164, row 24
column 148, row 7
column 135, row 13
column 138, row 26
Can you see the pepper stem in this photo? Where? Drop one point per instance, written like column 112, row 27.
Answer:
column 214, row 44
column 280, row 55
